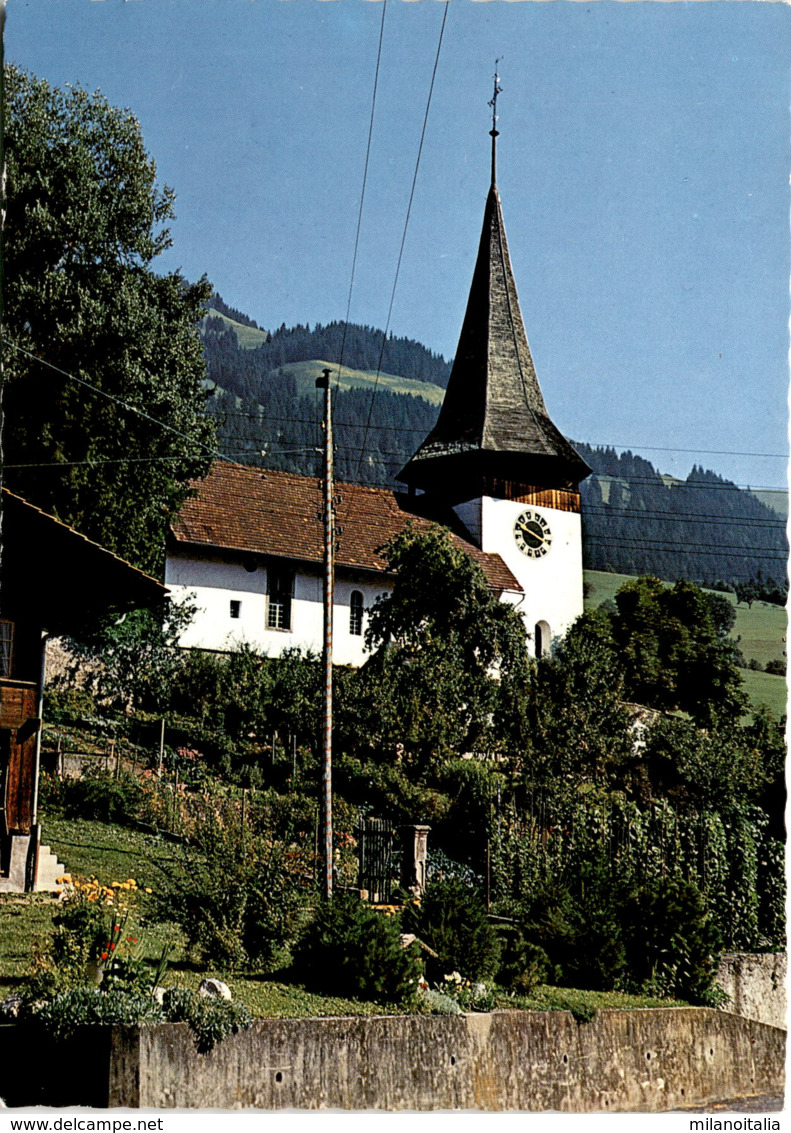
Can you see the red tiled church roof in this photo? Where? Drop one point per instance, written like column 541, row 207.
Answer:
column 279, row 513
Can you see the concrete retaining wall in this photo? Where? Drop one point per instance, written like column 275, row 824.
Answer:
column 621, row 1061
column 756, row 984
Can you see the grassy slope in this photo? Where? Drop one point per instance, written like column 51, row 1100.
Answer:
column 113, row 853
column 760, row 632
column 774, row 498
column 248, row 337
column 307, row 372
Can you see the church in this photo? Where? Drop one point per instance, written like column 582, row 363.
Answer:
column 247, row 549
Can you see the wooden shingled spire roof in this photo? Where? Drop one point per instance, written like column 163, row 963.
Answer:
column 493, row 423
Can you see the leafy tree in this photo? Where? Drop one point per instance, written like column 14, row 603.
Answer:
column 132, row 662
column 673, row 656
column 703, row 768
column 580, row 727
column 84, row 223
column 448, row 657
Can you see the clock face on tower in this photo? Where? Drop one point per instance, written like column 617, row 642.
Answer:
column 532, row 534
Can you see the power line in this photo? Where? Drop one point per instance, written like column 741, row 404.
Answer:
column 365, row 181
column 117, row 400
column 419, row 430
column 406, row 225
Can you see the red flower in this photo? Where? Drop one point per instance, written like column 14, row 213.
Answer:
column 105, row 955
column 112, row 947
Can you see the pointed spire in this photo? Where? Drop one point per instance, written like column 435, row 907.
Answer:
column 493, row 425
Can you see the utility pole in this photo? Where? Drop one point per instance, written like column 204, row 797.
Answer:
column 329, row 592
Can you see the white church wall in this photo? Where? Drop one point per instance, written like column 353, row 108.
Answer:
column 552, row 583
column 213, row 584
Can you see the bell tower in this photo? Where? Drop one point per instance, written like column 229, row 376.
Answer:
column 495, row 455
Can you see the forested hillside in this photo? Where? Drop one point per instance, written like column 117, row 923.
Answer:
column 361, row 347
column 635, row 519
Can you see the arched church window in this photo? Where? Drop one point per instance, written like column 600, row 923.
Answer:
column 542, row 639
column 356, row 614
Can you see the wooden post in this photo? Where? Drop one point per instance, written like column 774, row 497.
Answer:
column 329, row 594
column 161, row 747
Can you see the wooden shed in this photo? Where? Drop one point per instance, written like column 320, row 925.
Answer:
column 53, row 582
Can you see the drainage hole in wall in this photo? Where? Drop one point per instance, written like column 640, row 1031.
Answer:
column 683, row 1092
column 278, row 1077
column 453, row 1060
column 565, row 1058
column 648, row 1055
column 711, row 1050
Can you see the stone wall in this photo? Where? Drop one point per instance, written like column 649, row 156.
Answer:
column 756, row 984
column 639, row 1061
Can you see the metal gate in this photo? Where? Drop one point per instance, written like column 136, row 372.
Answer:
column 378, row 872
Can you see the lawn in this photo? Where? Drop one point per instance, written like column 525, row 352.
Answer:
column 113, row 853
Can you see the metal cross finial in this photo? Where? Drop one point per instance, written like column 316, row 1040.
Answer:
column 493, row 101
column 494, row 131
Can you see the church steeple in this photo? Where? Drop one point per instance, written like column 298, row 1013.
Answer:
column 493, row 429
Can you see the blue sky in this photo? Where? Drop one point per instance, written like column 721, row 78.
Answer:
column 643, row 169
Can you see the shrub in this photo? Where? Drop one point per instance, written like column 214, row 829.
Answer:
column 70, row 957
column 451, row 919
column 523, row 964
column 238, row 892
column 100, row 795
column 776, row 667
column 68, row 705
column 578, row 931
column 84, row 1005
column 350, row 949
column 671, row 942
column 210, row 1020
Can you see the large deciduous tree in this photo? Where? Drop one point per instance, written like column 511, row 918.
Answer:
column 450, row 669
column 85, row 220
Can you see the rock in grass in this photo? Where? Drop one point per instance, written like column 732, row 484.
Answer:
column 214, row 989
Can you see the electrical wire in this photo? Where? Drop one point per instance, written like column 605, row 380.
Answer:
column 406, row 226
column 365, row 181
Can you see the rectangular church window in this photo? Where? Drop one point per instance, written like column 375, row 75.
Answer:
column 236, row 607
column 281, row 588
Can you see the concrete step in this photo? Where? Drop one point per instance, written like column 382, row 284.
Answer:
column 49, row 870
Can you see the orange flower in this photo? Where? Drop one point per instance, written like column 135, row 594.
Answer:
column 112, row 947
column 105, row 955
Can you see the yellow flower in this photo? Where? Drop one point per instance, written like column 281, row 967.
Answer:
column 149, row 890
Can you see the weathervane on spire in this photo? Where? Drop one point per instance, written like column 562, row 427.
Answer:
column 493, row 103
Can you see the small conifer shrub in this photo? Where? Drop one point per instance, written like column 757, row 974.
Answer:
column 451, row 919
column 351, row 950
